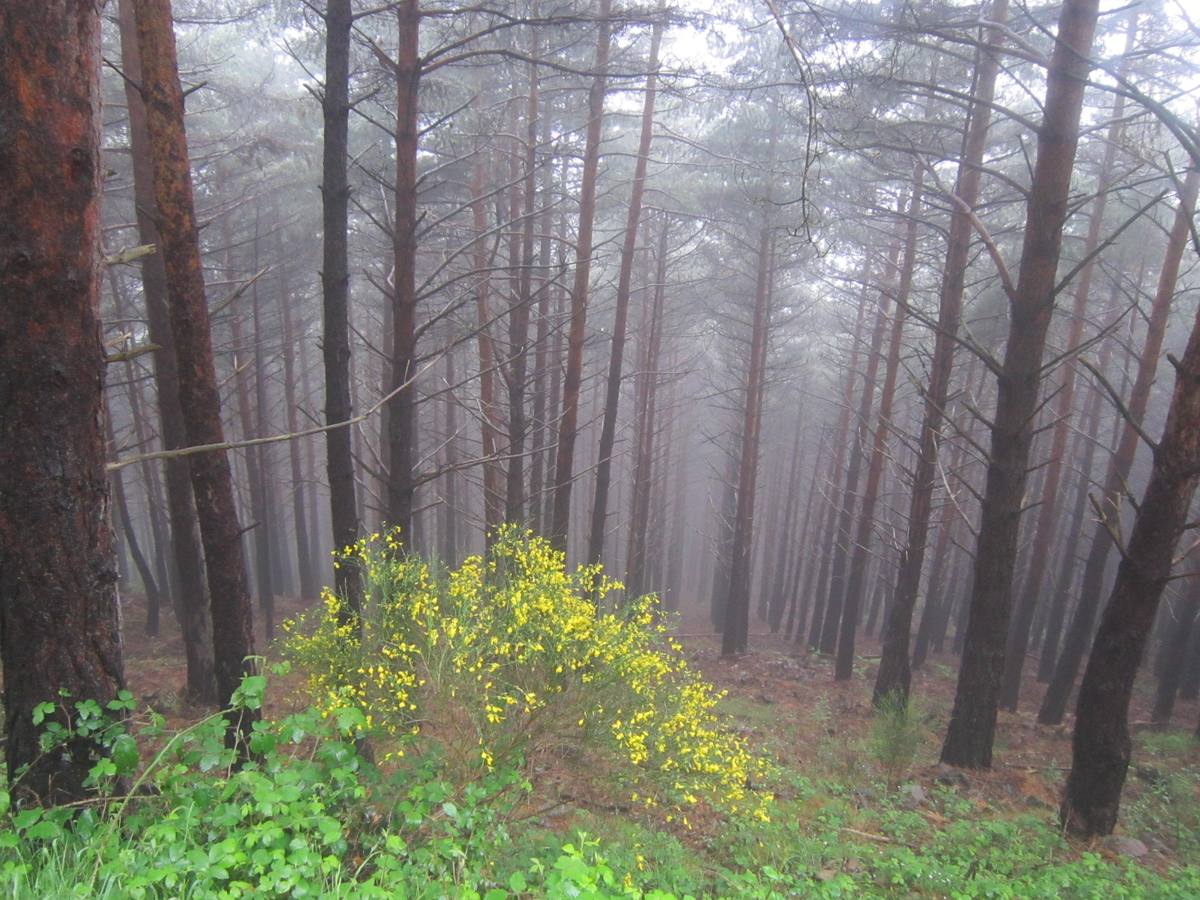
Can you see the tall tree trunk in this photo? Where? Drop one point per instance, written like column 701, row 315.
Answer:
column 778, row 569
column 971, row 732
column 493, row 508
column 1018, row 640
column 402, row 424
column 612, row 396
column 212, row 484
column 735, row 637
column 835, row 476
column 1101, row 747
column 845, row 516
column 895, row 674
column 644, row 428
column 309, row 585
column 518, row 321
column 449, row 549
column 186, row 550
column 1085, row 452
column 564, row 464
column 335, row 291
column 1054, row 703
column 856, row 583
column 59, row 616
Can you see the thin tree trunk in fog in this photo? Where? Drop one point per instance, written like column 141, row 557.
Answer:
column 1054, row 703
column 1174, row 653
column 153, row 598
column 1018, row 639
column 1085, row 452
column 268, row 526
column 841, row 536
column 541, row 351
column 971, row 732
column 254, row 477
column 59, row 615
column 720, row 580
column 309, row 585
column 817, row 589
column 804, row 558
column 644, row 427
column 449, row 550
column 564, row 464
column 518, row 322
column 196, row 621
column 493, row 508
column 612, row 397
column 894, row 674
column 402, row 423
column 856, row 583
column 212, row 483
column 735, row 637
column 335, row 290
column 778, row 570
column 1101, row 745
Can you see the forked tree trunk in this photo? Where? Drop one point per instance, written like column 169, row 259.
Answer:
column 59, row 617
column 972, row 728
column 612, row 396
column 895, row 673
column 1101, row 745
column 564, row 464
column 212, row 483
column 186, row 550
column 1054, row 703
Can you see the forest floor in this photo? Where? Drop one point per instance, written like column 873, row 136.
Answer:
column 855, row 813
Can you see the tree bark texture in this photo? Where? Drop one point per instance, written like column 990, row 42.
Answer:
column 212, row 483
column 59, row 617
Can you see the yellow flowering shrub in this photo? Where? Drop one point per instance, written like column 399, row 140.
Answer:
column 509, row 656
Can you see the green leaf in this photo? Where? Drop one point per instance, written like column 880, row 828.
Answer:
column 517, row 883
column 125, row 754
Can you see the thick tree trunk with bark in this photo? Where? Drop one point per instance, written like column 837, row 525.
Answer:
column 212, row 483
column 564, row 464
column 1054, row 703
column 59, row 617
column 186, row 550
column 612, row 396
column 895, row 674
column 971, row 732
column 1101, row 745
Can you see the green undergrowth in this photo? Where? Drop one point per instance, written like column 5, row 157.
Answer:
column 528, row 725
